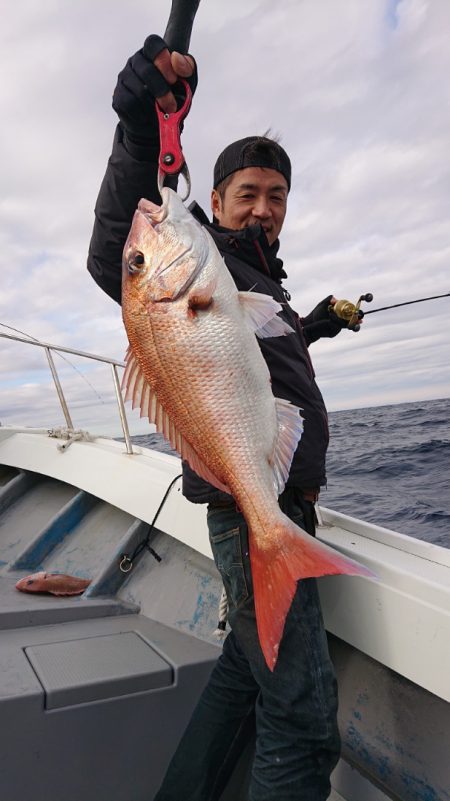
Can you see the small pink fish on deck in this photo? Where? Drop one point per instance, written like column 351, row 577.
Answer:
column 55, row 583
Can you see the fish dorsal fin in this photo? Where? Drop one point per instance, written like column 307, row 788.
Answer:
column 139, row 392
column 290, row 428
column 261, row 314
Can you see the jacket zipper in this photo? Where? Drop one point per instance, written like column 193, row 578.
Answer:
column 262, row 257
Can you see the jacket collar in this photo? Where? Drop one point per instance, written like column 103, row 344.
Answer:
column 250, row 244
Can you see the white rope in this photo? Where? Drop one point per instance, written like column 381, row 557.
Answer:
column 220, row 631
column 70, row 436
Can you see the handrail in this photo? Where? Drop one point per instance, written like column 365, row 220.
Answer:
column 64, row 350
column 48, row 347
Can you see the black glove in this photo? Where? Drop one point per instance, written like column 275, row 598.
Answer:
column 139, row 83
column 322, row 323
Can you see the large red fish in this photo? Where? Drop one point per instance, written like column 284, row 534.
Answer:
column 195, row 369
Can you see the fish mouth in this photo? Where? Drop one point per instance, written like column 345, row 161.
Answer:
column 152, row 212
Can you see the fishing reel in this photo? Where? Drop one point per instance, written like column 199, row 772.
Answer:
column 349, row 311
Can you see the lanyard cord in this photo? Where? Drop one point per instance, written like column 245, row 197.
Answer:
column 126, row 561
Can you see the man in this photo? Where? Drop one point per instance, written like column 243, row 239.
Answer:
column 297, row 743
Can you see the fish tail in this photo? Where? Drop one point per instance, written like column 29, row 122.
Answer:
column 291, row 555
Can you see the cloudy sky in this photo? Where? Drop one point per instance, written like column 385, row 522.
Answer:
column 358, row 92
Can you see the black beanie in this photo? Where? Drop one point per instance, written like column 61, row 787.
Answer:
column 253, row 151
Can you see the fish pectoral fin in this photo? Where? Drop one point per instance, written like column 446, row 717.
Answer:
column 293, row 555
column 138, row 390
column 290, row 428
column 200, row 296
column 200, row 299
column 261, row 315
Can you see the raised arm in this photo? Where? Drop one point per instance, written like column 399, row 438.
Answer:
column 132, row 169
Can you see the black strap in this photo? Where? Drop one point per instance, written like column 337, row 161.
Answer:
column 126, row 561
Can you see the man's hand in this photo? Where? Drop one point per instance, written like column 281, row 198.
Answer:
column 148, row 75
column 323, row 323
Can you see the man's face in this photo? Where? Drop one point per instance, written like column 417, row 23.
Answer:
column 254, row 195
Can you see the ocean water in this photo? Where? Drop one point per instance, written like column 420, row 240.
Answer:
column 388, row 465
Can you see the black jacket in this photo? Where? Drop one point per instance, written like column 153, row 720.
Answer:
column 253, row 265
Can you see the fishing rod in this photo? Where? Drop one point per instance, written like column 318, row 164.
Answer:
column 407, row 303
column 352, row 312
column 179, row 27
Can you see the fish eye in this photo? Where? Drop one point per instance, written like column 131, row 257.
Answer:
column 30, row 581
column 136, row 262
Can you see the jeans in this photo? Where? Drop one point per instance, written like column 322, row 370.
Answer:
column 297, row 740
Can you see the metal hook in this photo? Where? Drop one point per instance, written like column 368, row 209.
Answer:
column 124, row 562
column 184, row 172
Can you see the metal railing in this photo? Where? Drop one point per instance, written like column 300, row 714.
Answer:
column 114, row 365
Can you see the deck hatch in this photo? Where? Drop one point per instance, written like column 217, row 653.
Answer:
column 95, row 668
